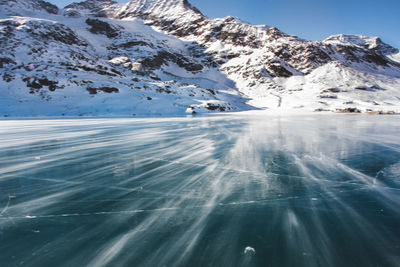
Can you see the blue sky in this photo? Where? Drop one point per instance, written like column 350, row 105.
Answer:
column 311, row 19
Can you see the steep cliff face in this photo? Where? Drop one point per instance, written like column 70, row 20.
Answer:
column 166, row 57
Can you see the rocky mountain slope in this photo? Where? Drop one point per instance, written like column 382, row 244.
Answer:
column 165, row 57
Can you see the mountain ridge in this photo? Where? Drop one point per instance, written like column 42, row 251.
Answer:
column 14, row 7
column 167, row 49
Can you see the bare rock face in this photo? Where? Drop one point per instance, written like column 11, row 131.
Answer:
column 163, row 57
column 48, row 7
column 100, row 27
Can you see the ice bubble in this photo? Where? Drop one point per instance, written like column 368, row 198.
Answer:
column 249, row 251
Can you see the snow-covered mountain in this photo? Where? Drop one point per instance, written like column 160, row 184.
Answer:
column 96, row 8
column 29, row 7
column 165, row 57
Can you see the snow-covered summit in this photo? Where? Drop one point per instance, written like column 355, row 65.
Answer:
column 167, row 9
column 360, row 41
column 95, row 8
column 26, row 7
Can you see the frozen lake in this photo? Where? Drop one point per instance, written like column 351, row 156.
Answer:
column 209, row 191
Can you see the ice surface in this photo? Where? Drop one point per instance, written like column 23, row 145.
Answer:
column 207, row 191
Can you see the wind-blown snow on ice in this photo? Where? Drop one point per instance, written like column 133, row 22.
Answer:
column 209, row 191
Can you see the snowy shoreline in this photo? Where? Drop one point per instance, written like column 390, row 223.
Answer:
column 267, row 113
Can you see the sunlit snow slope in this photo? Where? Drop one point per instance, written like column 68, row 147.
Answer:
column 153, row 57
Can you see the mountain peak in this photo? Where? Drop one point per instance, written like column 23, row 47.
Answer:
column 359, row 40
column 96, row 8
column 167, row 9
column 365, row 42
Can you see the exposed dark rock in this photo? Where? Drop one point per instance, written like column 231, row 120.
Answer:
column 348, row 52
column 101, row 27
column 349, row 110
column 130, row 44
column 303, row 56
column 357, row 54
column 377, row 59
column 8, row 77
column 34, row 84
column 93, row 90
column 163, row 57
column 116, row 72
column 211, row 91
column 163, row 90
column 214, row 107
column 98, row 71
column 51, row 84
column 53, row 9
column 62, row 34
column 321, row 110
column 40, row 31
column 155, row 78
column 363, row 88
column 276, row 70
column 39, row 83
column 390, row 112
column 5, row 60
